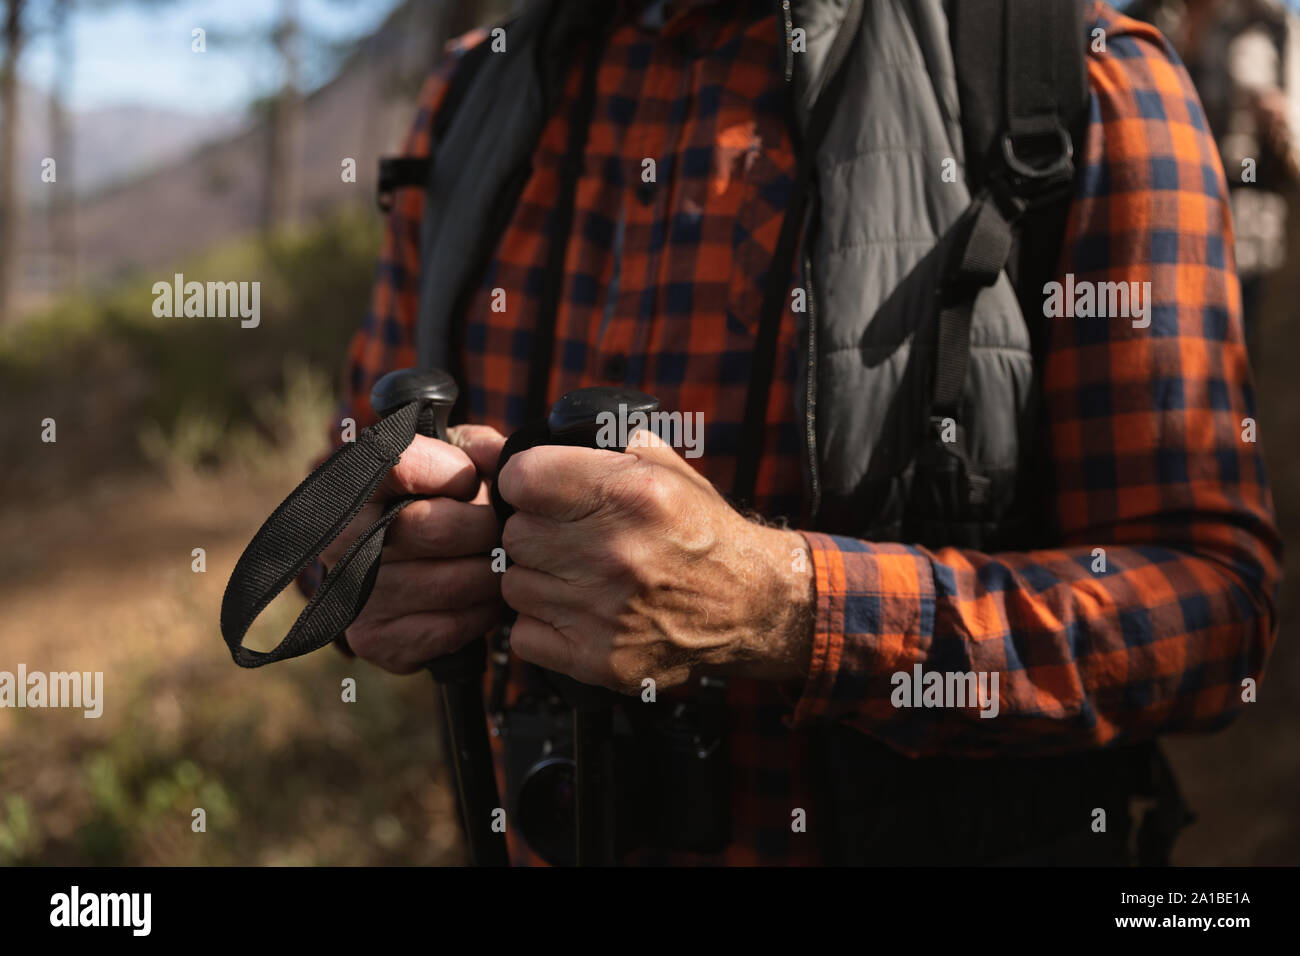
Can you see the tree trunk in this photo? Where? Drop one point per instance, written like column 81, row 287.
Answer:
column 13, row 38
column 63, row 208
column 283, row 184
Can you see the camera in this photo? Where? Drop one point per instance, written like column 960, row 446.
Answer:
column 671, row 772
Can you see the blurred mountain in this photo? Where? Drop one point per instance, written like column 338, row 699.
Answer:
column 110, row 144
column 213, row 189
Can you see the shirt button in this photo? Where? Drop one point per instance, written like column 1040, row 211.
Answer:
column 645, row 192
column 616, row 368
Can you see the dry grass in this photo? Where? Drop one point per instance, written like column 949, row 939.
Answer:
column 176, row 435
column 285, row 770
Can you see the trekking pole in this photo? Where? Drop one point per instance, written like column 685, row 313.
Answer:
column 575, row 420
column 459, row 675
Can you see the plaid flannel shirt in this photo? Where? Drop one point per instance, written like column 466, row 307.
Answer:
column 1144, row 428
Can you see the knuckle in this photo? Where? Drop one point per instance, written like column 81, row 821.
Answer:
column 619, row 557
column 511, row 592
column 427, row 467
column 623, row 671
column 447, row 632
column 404, row 476
column 646, row 489
column 424, row 522
column 514, row 533
column 519, row 475
column 523, row 642
column 619, row 563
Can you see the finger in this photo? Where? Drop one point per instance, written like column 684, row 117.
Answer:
column 572, row 551
column 482, row 444
column 431, row 467
column 543, row 596
column 407, row 643
column 538, row 643
column 560, row 482
column 411, row 587
column 540, row 543
column 441, row 528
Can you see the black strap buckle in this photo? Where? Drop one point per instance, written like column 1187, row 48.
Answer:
column 396, row 172
column 1038, row 162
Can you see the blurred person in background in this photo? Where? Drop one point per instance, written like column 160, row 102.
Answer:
column 1242, row 57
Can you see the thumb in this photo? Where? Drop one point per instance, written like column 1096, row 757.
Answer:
column 482, row 444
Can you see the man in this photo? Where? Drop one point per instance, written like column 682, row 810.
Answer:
column 1107, row 572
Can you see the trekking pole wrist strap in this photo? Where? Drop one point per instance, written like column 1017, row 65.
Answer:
column 302, row 527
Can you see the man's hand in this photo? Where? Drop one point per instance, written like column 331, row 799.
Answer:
column 436, row 590
column 630, row 566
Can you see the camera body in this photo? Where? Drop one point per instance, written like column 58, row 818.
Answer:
column 670, row 766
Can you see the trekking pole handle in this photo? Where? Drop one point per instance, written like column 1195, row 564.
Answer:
column 434, row 389
column 575, row 420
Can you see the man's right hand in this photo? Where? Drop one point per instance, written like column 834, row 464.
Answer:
column 435, row 590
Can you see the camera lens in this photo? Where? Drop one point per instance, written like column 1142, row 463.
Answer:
column 546, row 809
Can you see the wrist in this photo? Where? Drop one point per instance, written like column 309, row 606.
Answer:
column 777, row 643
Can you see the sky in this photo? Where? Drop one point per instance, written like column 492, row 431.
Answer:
column 139, row 53
column 135, row 53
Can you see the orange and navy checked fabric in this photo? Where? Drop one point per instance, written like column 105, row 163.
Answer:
column 1143, row 427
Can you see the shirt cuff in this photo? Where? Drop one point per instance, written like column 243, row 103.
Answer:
column 813, row 700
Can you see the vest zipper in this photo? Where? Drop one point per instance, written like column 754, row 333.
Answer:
column 786, row 18
column 788, row 21
column 810, row 393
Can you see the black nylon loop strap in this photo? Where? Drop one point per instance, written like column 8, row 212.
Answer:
column 316, row 512
column 977, row 260
column 1041, row 45
column 1033, row 81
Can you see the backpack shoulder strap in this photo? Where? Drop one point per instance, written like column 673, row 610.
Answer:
column 1020, row 77
column 400, row 172
column 1023, row 92
column 1023, row 86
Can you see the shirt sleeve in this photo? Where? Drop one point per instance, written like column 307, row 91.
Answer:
column 1159, row 602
